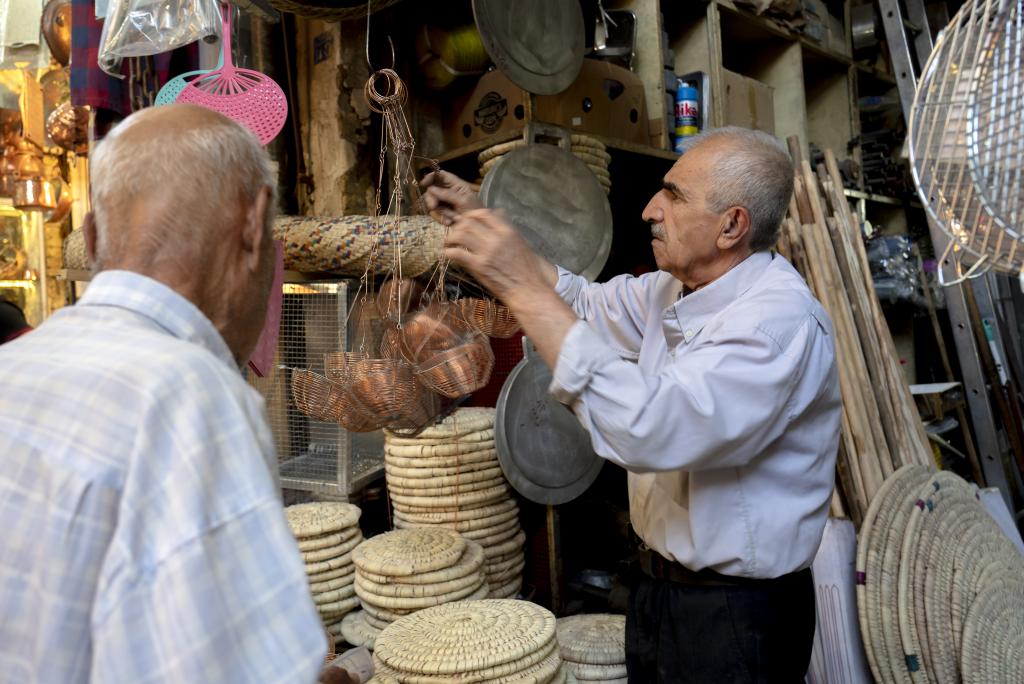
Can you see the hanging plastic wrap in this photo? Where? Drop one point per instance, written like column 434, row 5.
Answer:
column 137, row 28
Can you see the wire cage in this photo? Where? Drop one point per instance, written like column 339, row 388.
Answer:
column 315, row 455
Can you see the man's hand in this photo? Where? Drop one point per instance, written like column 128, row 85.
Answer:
column 447, row 196
column 489, row 247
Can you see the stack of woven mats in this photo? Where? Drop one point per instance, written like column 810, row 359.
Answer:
column 327, row 533
column 940, row 587
column 478, row 641
column 401, row 572
column 590, row 151
column 593, row 647
column 449, row 476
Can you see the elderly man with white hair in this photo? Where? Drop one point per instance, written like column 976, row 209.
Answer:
column 713, row 382
column 143, row 534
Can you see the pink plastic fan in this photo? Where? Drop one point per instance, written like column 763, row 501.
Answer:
column 249, row 97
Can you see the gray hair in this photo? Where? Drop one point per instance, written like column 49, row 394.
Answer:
column 754, row 172
column 189, row 177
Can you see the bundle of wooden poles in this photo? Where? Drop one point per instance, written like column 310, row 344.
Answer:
column 881, row 429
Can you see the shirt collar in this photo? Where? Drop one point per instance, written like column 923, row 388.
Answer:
column 166, row 308
column 694, row 310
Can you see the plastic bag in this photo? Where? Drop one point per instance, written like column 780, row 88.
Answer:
column 137, row 28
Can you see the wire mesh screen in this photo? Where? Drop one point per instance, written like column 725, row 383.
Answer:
column 315, row 455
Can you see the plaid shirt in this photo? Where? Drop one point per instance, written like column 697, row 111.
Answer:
column 143, row 536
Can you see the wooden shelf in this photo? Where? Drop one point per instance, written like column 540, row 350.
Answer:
column 882, row 199
column 611, row 143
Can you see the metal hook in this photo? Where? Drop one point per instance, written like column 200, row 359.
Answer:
column 369, row 10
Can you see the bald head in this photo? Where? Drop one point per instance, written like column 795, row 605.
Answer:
column 751, row 169
column 166, row 178
column 185, row 196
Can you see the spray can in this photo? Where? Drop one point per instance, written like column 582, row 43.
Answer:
column 687, row 113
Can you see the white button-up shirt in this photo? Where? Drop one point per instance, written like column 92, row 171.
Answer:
column 723, row 405
column 143, row 538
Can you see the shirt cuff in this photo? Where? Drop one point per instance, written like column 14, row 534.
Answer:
column 581, row 354
column 568, row 285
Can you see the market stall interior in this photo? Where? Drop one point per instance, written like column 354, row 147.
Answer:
column 441, row 497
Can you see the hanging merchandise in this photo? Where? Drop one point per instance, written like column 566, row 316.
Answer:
column 56, row 25
column 447, row 54
column 138, row 28
column 172, row 89
column 249, row 97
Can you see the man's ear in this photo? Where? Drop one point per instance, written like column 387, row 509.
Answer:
column 89, row 233
column 254, row 231
column 735, row 228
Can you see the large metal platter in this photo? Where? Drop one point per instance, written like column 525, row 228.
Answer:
column 538, row 44
column 556, row 203
column 544, row 451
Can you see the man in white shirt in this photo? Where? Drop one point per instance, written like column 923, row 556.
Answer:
column 713, row 382
column 143, row 533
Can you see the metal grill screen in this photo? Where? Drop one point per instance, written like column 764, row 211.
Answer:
column 315, row 456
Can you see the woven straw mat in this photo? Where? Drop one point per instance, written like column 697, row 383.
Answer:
column 311, row 557
column 409, row 552
column 872, row 580
column 389, row 615
column 327, row 540
column 356, row 631
column 467, row 636
column 319, row 518
column 598, row 639
column 468, row 439
column 418, row 590
column 428, row 481
column 458, row 489
column 993, row 647
column 469, row 563
column 414, row 603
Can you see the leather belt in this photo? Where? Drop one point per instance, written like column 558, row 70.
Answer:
column 655, row 566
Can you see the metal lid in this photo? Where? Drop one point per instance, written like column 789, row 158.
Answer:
column 556, row 203
column 543, row 450
column 538, row 44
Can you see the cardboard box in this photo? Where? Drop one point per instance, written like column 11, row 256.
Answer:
column 605, row 99
column 748, row 103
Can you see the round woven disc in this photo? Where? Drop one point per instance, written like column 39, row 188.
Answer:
column 434, row 474
column 499, row 537
column 482, row 496
column 446, row 491
column 338, row 608
column 409, row 552
column 468, row 564
column 876, row 571
column 313, row 557
column 415, row 603
column 431, row 482
column 992, row 646
column 327, row 540
column 356, row 632
column 467, row 514
column 462, row 422
column 505, row 562
column 321, row 517
column 593, row 639
column 509, row 590
column 324, row 566
column 468, row 439
column 389, row 615
column 596, row 672
column 415, row 459
column 334, row 584
column 418, row 590
column 466, row 636
column 486, row 535
column 375, row 622
column 330, row 575
column 334, row 595
column 514, row 544
column 497, row 579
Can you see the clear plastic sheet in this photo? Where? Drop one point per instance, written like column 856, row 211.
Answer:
column 137, row 28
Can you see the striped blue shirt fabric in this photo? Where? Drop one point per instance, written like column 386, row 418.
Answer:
column 143, row 538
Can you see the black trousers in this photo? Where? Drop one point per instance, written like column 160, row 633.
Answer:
column 755, row 632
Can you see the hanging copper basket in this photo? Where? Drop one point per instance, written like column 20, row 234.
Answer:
column 491, row 318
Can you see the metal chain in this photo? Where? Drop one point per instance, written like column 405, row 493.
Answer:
column 142, row 82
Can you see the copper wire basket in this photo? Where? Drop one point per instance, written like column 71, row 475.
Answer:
column 451, row 357
column 397, row 296
column 384, row 388
column 391, row 343
column 338, row 365
column 330, row 402
column 491, row 318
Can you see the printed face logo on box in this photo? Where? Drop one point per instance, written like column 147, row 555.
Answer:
column 490, row 112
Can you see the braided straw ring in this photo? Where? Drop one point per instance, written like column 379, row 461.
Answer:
column 466, row 637
column 400, row 603
column 871, row 560
column 593, row 639
column 327, row 540
column 939, row 490
column 318, row 518
column 409, row 552
column 462, row 422
column 396, row 590
column 469, row 564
